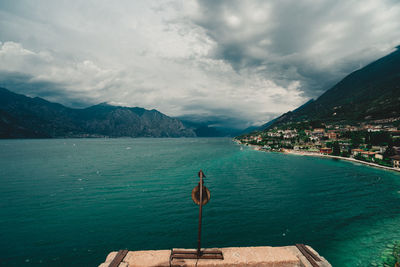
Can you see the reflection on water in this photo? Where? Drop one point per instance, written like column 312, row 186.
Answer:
column 71, row 201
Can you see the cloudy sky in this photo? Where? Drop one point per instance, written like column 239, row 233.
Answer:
column 243, row 61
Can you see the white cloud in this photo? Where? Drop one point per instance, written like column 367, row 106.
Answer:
column 316, row 43
column 244, row 59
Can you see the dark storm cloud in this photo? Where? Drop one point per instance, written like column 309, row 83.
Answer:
column 316, row 43
column 243, row 61
column 25, row 84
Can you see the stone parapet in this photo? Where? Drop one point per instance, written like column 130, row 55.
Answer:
column 289, row 256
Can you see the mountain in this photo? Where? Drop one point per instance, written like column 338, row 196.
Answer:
column 251, row 129
column 211, row 126
column 26, row 117
column 266, row 126
column 202, row 129
column 368, row 94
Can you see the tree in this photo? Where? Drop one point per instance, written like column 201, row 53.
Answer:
column 356, row 138
column 378, row 138
column 390, row 151
column 336, row 148
column 396, row 141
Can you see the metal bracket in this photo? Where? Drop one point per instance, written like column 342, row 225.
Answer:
column 118, row 258
column 310, row 256
column 212, row 254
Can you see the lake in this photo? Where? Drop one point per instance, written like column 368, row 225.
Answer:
column 69, row 202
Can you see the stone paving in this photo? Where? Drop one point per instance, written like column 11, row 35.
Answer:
column 288, row 256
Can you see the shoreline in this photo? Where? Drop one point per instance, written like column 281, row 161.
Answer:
column 311, row 154
column 293, row 152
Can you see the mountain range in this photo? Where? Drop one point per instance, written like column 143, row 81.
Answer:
column 26, row 117
column 369, row 94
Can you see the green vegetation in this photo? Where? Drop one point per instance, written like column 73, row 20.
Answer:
column 359, row 117
column 390, row 256
column 336, row 148
column 372, row 143
column 371, row 94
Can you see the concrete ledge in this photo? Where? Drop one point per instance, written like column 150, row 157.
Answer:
column 288, row 256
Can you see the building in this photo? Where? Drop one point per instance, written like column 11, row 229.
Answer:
column 368, row 154
column 380, row 149
column 391, row 129
column 396, row 161
column 373, row 128
column 290, row 136
column 274, row 134
column 325, row 150
column 379, row 156
column 332, row 135
column 356, row 151
column 344, row 146
column 318, row 132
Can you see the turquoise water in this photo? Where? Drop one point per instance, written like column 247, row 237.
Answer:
column 68, row 202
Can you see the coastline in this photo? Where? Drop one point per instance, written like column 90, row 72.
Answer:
column 311, row 154
column 289, row 151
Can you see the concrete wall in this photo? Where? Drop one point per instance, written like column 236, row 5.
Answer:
column 288, row 256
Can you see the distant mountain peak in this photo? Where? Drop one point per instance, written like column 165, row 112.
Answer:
column 26, row 117
column 105, row 104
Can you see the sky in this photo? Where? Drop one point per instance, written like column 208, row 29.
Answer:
column 236, row 63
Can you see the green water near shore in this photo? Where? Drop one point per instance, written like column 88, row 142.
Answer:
column 69, row 202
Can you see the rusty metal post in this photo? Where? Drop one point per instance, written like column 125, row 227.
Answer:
column 200, row 214
column 199, row 198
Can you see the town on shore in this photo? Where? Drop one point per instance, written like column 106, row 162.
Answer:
column 373, row 144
